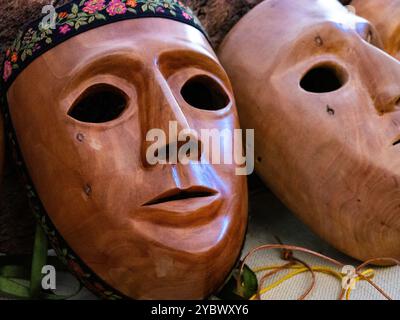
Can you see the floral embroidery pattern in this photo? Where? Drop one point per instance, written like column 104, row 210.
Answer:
column 92, row 6
column 64, row 29
column 116, row 7
column 7, row 70
column 86, row 14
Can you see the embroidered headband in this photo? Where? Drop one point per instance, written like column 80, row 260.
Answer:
column 79, row 16
column 74, row 18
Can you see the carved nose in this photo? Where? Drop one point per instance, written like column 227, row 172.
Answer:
column 388, row 100
column 166, row 115
column 382, row 77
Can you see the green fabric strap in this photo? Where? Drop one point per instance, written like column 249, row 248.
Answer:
column 21, row 276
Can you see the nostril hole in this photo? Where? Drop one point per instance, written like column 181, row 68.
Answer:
column 397, row 103
column 203, row 92
column 397, row 142
column 98, row 104
column 323, row 79
column 369, row 37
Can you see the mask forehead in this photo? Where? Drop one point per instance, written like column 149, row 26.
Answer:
column 287, row 25
column 145, row 45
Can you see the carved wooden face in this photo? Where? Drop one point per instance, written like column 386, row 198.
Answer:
column 82, row 111
column 323, row 100
column 384, row 15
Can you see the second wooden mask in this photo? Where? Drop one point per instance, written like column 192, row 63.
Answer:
column 310, row 78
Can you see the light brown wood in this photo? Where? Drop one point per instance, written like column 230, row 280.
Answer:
column 217, row 17
column 93, row 178
column 327, row 148
column 384, row 15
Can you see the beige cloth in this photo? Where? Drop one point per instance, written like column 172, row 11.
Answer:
column 269, row 218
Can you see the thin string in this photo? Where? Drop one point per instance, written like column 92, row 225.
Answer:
column 287, row 251
column 299, row 270
column 289, row 265
column 267, row 275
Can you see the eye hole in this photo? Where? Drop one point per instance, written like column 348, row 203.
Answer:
column 204, row 93
column 323, row 79
column 98, row 104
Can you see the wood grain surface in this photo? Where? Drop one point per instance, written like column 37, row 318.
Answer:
column 16, row 221
column 150, row 231
column 323, row 99
column 384, row 15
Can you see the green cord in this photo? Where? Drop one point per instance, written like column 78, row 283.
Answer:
column 12, row 288
column 39, row 260
column 15, row 272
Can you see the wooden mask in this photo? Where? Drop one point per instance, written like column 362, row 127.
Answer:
column 81, row 112
column 384, row 15
column 323, row 100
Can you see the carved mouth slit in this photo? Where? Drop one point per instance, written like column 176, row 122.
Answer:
column 181, row 195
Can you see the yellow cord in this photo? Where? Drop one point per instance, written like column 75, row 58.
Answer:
column 370, row 273
column 301, row 269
